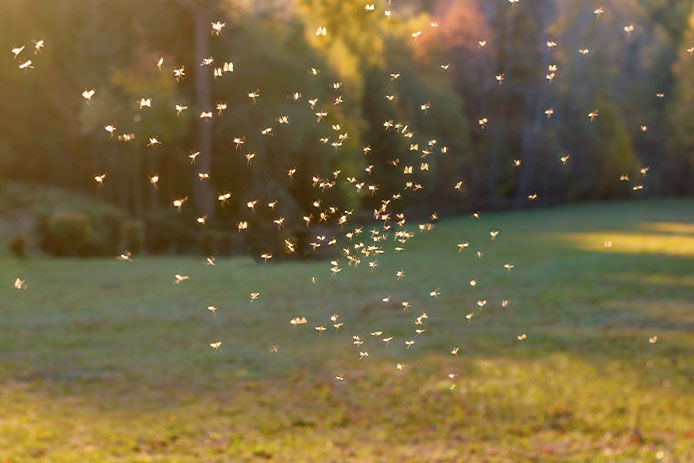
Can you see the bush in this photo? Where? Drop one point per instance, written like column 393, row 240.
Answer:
column 18, row 245
column 132, row 235
column 67, row 234
column 221, row 243
column 166, row 234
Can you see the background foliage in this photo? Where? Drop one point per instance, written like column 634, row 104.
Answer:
column 49, row 136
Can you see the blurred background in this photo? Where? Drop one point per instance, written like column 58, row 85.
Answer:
column 479, row 60
column 547, row 334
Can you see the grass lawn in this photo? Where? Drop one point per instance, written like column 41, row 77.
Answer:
column 105, row 361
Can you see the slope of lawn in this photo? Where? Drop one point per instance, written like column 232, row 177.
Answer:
column 110, row 361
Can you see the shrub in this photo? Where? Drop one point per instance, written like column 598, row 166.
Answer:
column 18, row 245
column 132, row 235
column 166, row 233
column 216, row 243
column 67, row 234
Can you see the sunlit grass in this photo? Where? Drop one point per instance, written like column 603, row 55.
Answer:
column 106, row 361
column 634, row 243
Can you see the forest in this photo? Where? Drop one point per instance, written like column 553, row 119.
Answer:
column 347, row 231
column 459, row 105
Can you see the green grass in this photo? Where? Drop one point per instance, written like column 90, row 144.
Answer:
column 107, row 361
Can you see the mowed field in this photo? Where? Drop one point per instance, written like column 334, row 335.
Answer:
column 106, row 361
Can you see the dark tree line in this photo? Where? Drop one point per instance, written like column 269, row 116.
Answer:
column 507, row 89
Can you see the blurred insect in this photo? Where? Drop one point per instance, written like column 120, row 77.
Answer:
column 177, row 203
column 298, row 321
column 216, row 345
column 88, row 94
column 16, row 51
column 522, row 337
column 99, row 179
column 124, row 257
column 20, row 284
column 179, row 73
column 629, row 29
column 217, row 27
column 178, row 278
column 223, row 198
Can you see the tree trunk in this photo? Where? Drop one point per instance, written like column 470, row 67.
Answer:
column 203, row 198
